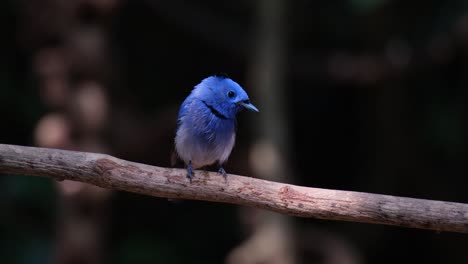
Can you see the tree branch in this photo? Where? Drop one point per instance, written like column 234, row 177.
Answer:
column 113, row 173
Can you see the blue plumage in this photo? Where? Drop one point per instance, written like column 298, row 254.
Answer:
column 206, row 126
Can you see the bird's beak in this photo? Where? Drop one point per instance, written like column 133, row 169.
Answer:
column 247, row 105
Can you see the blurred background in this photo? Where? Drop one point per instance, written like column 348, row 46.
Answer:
column 360, row 95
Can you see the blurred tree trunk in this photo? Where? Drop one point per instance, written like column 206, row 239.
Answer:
column 70, row 44
column 272, row 238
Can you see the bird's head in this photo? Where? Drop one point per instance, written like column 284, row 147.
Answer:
column 223, row 95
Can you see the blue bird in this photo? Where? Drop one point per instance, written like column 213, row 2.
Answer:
column 206, row 126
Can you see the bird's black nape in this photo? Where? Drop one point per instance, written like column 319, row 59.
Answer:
column 221, row 75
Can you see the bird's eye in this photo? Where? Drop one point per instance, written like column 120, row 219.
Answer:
column 231, row 94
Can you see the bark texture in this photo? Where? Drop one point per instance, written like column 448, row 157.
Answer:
column 113, row 173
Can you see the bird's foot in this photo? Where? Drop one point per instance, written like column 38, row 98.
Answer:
column 222, row 172
column 190, row 171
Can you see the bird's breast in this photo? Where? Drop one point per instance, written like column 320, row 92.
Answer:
column 205, row 140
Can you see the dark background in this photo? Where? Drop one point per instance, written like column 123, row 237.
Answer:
column 370, row 95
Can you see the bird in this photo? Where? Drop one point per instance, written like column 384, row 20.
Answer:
column 206, row 123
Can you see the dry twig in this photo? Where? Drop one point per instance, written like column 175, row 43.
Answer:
column 113, row 173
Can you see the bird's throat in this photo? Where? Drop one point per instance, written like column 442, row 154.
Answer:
column 214, row 111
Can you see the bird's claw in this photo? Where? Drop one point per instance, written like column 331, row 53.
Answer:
column 222, row 172
column 189, row 171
